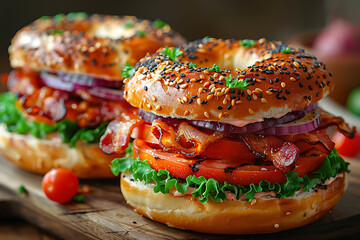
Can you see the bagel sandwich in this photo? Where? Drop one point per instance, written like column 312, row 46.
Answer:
column 66, row 85
column 229, row 138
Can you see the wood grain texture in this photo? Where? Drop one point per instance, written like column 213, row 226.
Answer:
column 21, row 230
column 105, row 215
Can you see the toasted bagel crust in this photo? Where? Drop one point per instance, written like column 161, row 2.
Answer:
column 41, row 155
column 97, row 45
column 265, row 215
column 279, row 82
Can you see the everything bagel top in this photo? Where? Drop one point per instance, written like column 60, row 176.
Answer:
column 251, row 80
column 97, row 45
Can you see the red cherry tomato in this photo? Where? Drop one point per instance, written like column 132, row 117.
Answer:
column 60, row 185
column 346, row 146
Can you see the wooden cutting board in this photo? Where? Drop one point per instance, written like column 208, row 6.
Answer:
column 105, row 215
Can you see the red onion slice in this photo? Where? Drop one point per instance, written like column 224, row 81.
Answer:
column 88, row 81
column 107, row 93
column 309, row 122
column 54, row 81
column 251, row 127
column 225, row 127
column 72, row 82
column 310, row 107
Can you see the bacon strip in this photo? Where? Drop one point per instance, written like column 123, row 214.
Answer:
column 338, row 123
column 117, row 136
column 271, row 148
column 186, row 139
column 37, row 100
column 309, row 161
column 318, row 138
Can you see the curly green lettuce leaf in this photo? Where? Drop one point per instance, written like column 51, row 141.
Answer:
column 69, row 131
column 205, row 189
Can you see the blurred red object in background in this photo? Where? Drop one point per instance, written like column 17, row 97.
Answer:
column 345, row 146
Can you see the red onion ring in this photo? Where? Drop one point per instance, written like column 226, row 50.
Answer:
column 54, row 81
column 225, row 127
column 308, row 123
column 251, row 127
column 107, row 93
column 72, row 82
column 87, row 81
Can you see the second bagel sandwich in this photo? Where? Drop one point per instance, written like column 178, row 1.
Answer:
column 66, row 87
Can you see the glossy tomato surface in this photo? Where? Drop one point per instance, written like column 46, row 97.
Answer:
column 229, row 170
column 60, row 185
column 346, row 146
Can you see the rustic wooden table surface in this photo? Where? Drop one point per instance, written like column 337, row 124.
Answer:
column 105, row 215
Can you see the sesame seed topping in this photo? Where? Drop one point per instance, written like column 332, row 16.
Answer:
column 292, row 79
column 276, row 225
column 263, row 100
column 207, row 114
column 251, row 111
column 283, row 84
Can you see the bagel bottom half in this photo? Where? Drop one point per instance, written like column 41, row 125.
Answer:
column 41, row 155
column 231, row 217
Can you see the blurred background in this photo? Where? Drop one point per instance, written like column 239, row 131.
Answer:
column 280, row 20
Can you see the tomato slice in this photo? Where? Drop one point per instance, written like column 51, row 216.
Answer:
column 229, row 149
column 223, row 149
column 229, row 170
